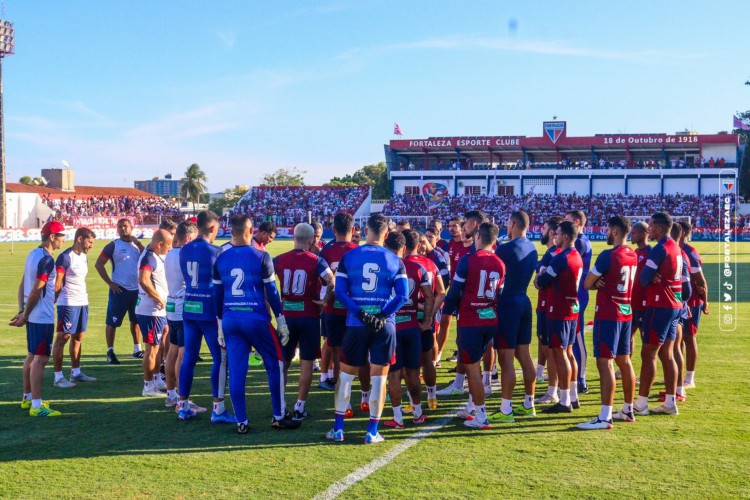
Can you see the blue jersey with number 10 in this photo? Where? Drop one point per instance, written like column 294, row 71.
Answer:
column 373, row 279
column 196, row 263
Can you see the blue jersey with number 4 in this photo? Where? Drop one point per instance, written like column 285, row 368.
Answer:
column 196, row 263
column 373, row 279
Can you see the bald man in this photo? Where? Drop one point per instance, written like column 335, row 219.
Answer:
column 150, row 311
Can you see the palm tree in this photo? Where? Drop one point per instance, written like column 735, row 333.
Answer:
column 192, row 185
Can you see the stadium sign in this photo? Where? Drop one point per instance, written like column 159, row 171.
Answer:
column 462, row 142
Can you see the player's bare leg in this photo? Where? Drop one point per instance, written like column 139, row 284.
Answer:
column 679, row 360
column 365, row 375
column 150, row 371
column 170, row 373
column 607, row 379
column 442, row 336
column 488, row 361
column 666, row 356
column 58, row 350
column 429, row 372
column 649, row 353
column 508, row 384
column 627, row 375
column 523, row 355
column 691, row 357
column 561, row 358
column 476, row 391
column 541, row 361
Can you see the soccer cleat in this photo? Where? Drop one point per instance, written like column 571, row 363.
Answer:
column 194, row 407
column 522, row 411
column 679, row 398
column 645, row 411
column 185, row 414
column 450, row 391
column 364, row 407
column 438, row 365
column 595, row 424
column 112, row 358
column 558, row 408
column 583, row 388
column 575, row 404
column 243, row 428
column 171, row 401
column 547, row 399
column 64, row 383
column 316, row 366
column 420, row 419
column 392, row 424
column 159, row 384
column 222, row 418
column 539, row 380
column 665, row 410
column 285, row 423
column 454, row 357
column 152, row 392
column 690, row 385
column 622, row 416
column 374, row 439
column 44, row 411
column 138, row 354
column 466, row 414
column 255, row 360
column 25, row 404
column 82, row 377
column 327, row 385
column 349, row 413
column 408, row 409
column 474, row 423
column 488, row 389
column 432, row 403
column 501, row 417
column 334, row 435
column 300, row 415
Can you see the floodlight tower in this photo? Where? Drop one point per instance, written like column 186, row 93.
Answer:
column 7, row 48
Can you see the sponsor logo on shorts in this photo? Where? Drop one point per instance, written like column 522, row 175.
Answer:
column 170, row 307
column 294, row 306
column 486, row 313
column 193, row 307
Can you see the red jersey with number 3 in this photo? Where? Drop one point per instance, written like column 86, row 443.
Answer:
column 417, row 277
column 298, row 272
column 482, row 274
column 616, row 266
column 332, row 253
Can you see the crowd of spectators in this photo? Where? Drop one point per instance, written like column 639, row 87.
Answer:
column 703, row 210
column 289, row 205
column 67, row 208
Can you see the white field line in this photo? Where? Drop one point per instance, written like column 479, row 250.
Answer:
column 358, row 475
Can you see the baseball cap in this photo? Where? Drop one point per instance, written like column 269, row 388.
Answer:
column 52, row 227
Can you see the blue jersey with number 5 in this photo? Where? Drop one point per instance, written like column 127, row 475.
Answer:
column 242, row 275
column 373, row 279
column 196, row 263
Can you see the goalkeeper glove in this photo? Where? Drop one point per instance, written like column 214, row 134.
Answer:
column 282, row 330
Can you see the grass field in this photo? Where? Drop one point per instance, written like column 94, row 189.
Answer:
column 111, row 442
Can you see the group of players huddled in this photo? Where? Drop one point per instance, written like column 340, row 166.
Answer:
column 385, row 309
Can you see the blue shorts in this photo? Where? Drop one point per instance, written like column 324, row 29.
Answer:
column 611, row 338
column 427, row 340
column 408, row 350
column 513, row 322
column 541, row 328
column 152, row 328
column 360, row 341
column 322, row 327
column 120, row 304
column 473, row 341
column 176, row 333
column 659, row 325
column 39, row 338
column 684, row 314
column 637, row 320
column 562, row 332
column 304, row 332
column 335, row 329
column 72, row 319
column 695, row 319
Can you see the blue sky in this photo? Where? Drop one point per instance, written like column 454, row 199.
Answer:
column 131, row 90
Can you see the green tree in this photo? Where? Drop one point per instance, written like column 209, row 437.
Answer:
column 284, row 177
column 229, row 200
column 193, row 184
column 25, row 180
column 369, row 175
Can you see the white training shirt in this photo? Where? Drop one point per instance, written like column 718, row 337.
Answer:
column 40, row 265
column 75, row 267
column 124, row 257
column 146, row 306
column 175, row 284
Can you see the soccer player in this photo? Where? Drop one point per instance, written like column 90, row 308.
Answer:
column 513, row 336
column 562, row 277
column 408, row 331
column 440, row 243
column 371, row 283
column 612, row 276
column 357, row 235
column 265, row 235
column 124, row 253
column 72, row 266
column 36, row 304
column 334, row 313
column 317, row 244
column 185, row 233
column 677, row 235
column 244, row 280
column 476, row 284
column 662, row 278
column 549, row 229
column 402, row 225
column 150, row 311
column 639, row 237
column 583, row 246
column 438, row 256
column 698, row 303
column 199, row 321
column 299, row 271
